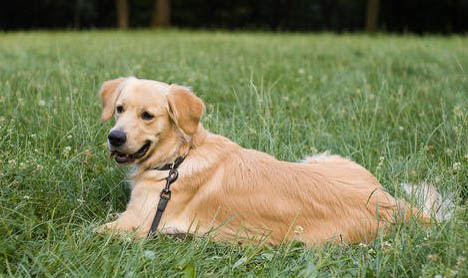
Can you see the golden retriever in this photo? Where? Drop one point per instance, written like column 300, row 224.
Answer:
column 236, row 194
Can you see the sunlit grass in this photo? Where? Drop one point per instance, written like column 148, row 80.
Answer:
column 397, row 105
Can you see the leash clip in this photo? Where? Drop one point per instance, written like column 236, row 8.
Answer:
column 172, row 177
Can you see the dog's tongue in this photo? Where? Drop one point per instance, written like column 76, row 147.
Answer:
column 123, row 158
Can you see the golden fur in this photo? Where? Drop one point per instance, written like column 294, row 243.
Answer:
column 238, row 194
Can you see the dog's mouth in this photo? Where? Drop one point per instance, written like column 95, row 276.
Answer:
column 129, row 158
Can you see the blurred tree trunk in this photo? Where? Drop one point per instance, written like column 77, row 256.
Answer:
column 77, row 15
column 372, row 15
column 122, row 13
column 161, row 13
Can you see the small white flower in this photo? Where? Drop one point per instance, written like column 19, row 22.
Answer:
column 41, row 102
column 298, row 230
column 66, row 150
column 149, row 254
column 362, row 245
column 448, row 151
column 386, row 244
column 456, row 166
column 26, row 197
column 69, row 136
column 401, row 128
column 381, row 162
column 39, row 167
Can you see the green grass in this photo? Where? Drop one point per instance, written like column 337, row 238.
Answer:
column 397, row 105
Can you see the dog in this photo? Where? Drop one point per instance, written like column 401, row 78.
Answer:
column 231, row 193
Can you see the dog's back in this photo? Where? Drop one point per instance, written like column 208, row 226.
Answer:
column 321, row 199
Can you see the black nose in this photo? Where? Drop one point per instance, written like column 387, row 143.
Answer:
column 117, row 138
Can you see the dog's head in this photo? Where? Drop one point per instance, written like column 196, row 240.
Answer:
column 152, row 119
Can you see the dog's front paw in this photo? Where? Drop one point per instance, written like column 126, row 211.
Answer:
column 111, row 227
column 117, row 228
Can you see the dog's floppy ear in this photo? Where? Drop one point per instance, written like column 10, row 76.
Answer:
column 109, row 93
column 185, row 108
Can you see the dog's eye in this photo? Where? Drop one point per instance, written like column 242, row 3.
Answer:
column 147, row 116
column 120, row 109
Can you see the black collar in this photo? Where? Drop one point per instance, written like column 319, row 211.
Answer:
column 169, row 166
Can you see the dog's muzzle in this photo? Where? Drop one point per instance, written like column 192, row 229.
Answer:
column 129, row 158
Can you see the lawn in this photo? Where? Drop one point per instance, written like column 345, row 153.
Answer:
column 396, row 104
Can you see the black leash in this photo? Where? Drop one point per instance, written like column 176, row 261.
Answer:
column 165, row 194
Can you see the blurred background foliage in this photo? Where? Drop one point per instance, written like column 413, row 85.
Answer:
column 400, row 16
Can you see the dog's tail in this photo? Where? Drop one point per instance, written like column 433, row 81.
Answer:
column 432, row 203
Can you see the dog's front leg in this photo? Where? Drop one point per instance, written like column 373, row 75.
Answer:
column 139, row 214
column 127, row 223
